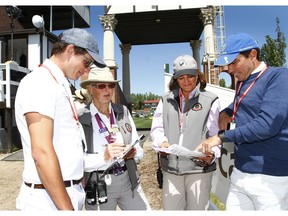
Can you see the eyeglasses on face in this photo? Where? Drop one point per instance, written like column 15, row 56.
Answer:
column 103, row 85
column 88, row 61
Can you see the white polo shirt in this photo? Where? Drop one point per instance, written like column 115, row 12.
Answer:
column 40, row 92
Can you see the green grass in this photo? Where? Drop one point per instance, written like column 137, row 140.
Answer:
column 142, row 123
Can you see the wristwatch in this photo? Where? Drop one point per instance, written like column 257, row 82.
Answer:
column 221, row 135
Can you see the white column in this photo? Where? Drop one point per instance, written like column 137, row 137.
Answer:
column 2, row 51
column 209, row 38
column 195, row 45
column 108, row 23
column 34, row 51
column 209, row 41
column 125, row 49
column 45, row 53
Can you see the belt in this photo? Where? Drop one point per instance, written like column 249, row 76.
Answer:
column 66, row 183
column 124, row 168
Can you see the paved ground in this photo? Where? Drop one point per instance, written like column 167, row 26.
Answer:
column 16, row 156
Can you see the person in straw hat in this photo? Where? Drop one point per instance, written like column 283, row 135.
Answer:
column 109, row 130
column 81, row 97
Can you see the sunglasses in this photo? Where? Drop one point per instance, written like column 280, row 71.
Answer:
column 88, row 62
column 103, row 86
column 199, row 162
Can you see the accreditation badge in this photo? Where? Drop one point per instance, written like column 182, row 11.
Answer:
column 232, row 126
column 114, row 129
column 104, row 132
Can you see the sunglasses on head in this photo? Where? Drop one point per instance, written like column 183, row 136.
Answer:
column 88, row 62
column 103, row 85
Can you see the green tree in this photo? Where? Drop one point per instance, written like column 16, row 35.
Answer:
column 273, row 52
column 138, row 99
column 222, row 83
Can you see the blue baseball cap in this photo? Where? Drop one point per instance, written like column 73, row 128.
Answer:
column 235, row 44
column 84, row 39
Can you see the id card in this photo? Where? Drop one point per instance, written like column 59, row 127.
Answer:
column 232, row 126
column 114, row 129
column 104, row 132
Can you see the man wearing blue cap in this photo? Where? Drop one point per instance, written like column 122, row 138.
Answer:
column 258, row 119
column 51, row 134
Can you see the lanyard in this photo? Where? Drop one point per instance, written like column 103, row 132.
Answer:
column 236, row 104
column 73, row 108
column 181, row 113
column 104, row 128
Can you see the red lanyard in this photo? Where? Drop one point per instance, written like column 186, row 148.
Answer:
column 67, row 95
column 104, row 129
column 236, row 104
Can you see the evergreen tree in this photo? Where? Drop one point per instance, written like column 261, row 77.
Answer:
column 273, row 52
column 222, row 83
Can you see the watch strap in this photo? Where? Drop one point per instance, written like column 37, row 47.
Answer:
column 221, row 135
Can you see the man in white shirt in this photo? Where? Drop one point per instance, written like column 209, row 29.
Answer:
column 50, row 131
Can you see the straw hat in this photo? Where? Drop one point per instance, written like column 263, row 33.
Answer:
column 81, row 93
column 98, row 75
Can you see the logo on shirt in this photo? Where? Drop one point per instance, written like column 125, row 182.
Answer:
column 128, row 127
column 197, row 107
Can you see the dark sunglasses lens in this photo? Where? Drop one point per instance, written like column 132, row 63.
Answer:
column 112, row 85
column 101, row 86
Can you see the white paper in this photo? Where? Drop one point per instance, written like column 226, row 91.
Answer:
column 110, row 165
column 181, row 151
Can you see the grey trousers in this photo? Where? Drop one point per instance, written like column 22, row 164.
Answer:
column 186, row 192
column 119, row 194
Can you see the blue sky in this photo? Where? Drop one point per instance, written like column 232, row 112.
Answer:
column 146, row 61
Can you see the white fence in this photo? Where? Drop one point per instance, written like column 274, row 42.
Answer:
column 8, row 85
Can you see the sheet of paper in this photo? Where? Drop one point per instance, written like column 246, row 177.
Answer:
column 112, row 163
column 181, row 151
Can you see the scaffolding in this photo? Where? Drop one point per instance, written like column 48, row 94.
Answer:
column 220, row 35
column 219, row 29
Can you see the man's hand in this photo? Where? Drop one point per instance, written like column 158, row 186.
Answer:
column 207, row 144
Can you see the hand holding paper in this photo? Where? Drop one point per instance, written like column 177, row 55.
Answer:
column 181, row 151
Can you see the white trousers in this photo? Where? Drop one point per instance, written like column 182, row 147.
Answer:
column 257, row 192
column 30, row 199
column 186, row 192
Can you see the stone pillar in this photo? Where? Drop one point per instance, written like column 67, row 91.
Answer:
column 125, row 49
column 108, row 23
column 195, row 45
column 207, row 17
